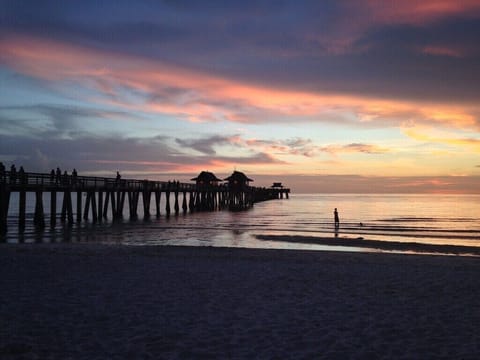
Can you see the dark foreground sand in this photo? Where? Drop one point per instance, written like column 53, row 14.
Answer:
column 78, row 301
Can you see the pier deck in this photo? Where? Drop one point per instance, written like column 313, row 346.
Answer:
column 96, row 197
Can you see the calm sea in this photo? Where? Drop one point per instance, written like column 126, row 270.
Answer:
column 398, row 223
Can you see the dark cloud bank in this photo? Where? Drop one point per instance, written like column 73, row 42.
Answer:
column 309, row 45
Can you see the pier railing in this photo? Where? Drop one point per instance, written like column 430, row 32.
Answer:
column 40, row 181
column 104, row 195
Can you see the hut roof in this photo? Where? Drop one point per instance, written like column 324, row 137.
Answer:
column 206, row 176
column 239, row 176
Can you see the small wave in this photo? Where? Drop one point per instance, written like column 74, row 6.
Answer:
column 410, row 219
column 427, row 219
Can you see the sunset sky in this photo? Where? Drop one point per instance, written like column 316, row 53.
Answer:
column 325, row 96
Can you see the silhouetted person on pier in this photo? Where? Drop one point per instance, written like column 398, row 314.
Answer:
column 117, row 179
column 65, row 178
column 336, row 218
column 74, row 176
column 59, row 175
column 13, row 174
column 52, row 176
column 22, row 176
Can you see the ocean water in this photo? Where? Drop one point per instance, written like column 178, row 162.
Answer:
column 388, row 223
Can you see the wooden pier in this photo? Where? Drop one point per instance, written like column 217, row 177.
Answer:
column 97, row 198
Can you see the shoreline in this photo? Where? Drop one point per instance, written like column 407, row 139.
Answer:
column 87, row 301
column 365, row 243
column 342, row 243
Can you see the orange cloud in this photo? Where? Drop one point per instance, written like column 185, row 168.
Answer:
column 420, row 134
column 195, row 96
column 164, row 167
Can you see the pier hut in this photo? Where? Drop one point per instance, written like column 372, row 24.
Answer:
column 207, row 196
column 278, row 191
column 206, row 178
column 238, row 180
column 94, row 198
column 241, row 195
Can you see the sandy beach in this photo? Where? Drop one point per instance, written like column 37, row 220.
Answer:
column 81, row 301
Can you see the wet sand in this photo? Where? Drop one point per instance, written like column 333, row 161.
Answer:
column 386, row 246
column 82, row 301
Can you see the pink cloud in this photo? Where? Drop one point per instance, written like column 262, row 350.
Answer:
column 419, row 12
column 355, row 148
column 196, row 96
column 442, row 51
column 362, row 15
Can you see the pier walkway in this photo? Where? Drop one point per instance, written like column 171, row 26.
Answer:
column 97, row 197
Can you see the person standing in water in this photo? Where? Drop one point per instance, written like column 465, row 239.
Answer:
column 337, row 220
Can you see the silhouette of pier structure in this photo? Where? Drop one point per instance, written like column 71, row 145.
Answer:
column 99, row 197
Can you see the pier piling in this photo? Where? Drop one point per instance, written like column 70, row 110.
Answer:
column 39, row 216
column 100, row 206
column 175, row 206
column 146, row 203
column 158, row 195
column 167, row 205
column 4, row 202
column 104, row 195
column 53, row 209
column 21, row 210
